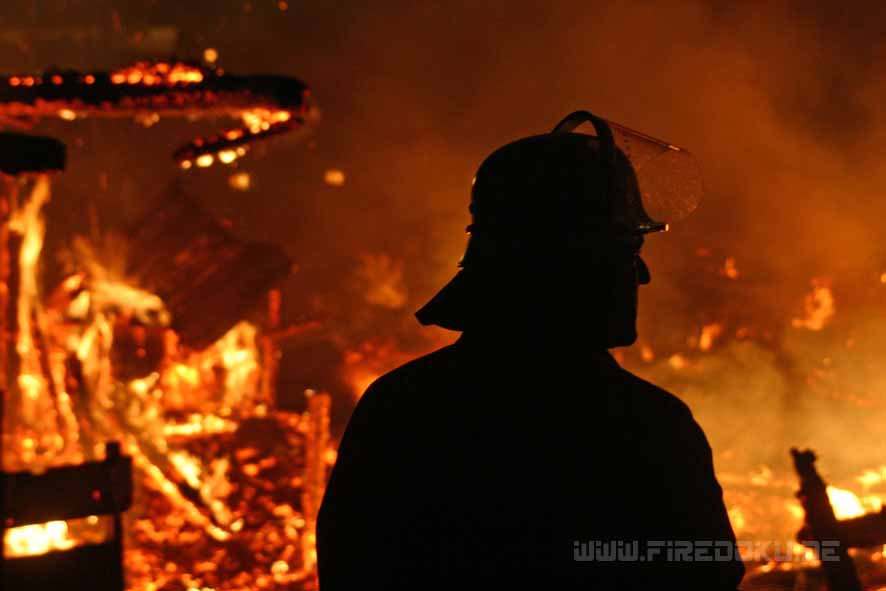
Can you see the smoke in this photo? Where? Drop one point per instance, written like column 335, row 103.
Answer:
column 780, row 101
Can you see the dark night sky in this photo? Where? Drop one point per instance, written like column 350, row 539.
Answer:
column 783, row 107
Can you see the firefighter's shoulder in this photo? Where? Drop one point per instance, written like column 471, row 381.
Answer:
column 648, row 396
column 418, row 376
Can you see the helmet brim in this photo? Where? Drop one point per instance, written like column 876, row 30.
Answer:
column 449, row 307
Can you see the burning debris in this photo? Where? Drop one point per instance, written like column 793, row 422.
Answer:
column 155, row 353
column 148, row 90
column 100, row 361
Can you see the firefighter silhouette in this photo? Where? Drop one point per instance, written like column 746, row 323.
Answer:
column 499, row 461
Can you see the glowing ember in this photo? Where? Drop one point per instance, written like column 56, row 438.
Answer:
column 240, row 181
column 709, row 334
column 730, row 270
column 56, row 536
column 159, row 73
column 31, row 540
column 677, row 361
column 334, row 177
column 647, row 354
column 363, row 365
column 148, row 90
column 819, row 306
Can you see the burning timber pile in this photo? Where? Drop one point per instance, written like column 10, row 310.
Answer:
column 152, row 353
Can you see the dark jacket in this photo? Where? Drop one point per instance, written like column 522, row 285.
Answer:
column 482, row 465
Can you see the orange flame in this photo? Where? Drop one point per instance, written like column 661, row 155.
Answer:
column 819, row 306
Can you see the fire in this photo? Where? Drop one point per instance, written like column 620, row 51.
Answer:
column 147, row 90
column 96, row 361
column 382, row 279
column 31, row 540
column 366, row 363
column 677, row 361
column 872, row 477
column 57, row 536
column 259, row 120
column 730, row 270
column 334, row 177
column 158, row 73
column 845, row 503
column 240, row 181
column 819, row 306
column 646, row 353
column 709, row 334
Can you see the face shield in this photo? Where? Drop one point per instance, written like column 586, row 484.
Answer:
column 666, row 179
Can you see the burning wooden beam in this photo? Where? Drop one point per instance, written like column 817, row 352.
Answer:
column 148, row 90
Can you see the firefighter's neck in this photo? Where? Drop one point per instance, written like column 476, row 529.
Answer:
column 536, row 336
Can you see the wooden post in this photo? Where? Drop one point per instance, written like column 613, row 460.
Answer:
column 270, row 352
column 316, row 444
column 822, row 523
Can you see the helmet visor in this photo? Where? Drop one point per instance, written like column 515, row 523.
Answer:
column 668, row 176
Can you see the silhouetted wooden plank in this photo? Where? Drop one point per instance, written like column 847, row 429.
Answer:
column 95, row 568
column 67, row 492
column 865, row 531
column 20, row 154
column 822, row 523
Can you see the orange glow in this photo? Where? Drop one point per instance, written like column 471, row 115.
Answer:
column 205, row 160
column 240, row 181
column 151, row 73
column 709, row 334
column 819, row 306
column 178, row 89
column 334, row 177
column 677, row 361
column 226, row 156
column 382, row 279
column 31, row 540
column 730, row 270
column 846, row 505
column 647, row 354
column 185, row 496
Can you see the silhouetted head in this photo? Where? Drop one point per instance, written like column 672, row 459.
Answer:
column 557, row 225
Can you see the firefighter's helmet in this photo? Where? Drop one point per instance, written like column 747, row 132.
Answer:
column 544, row 196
